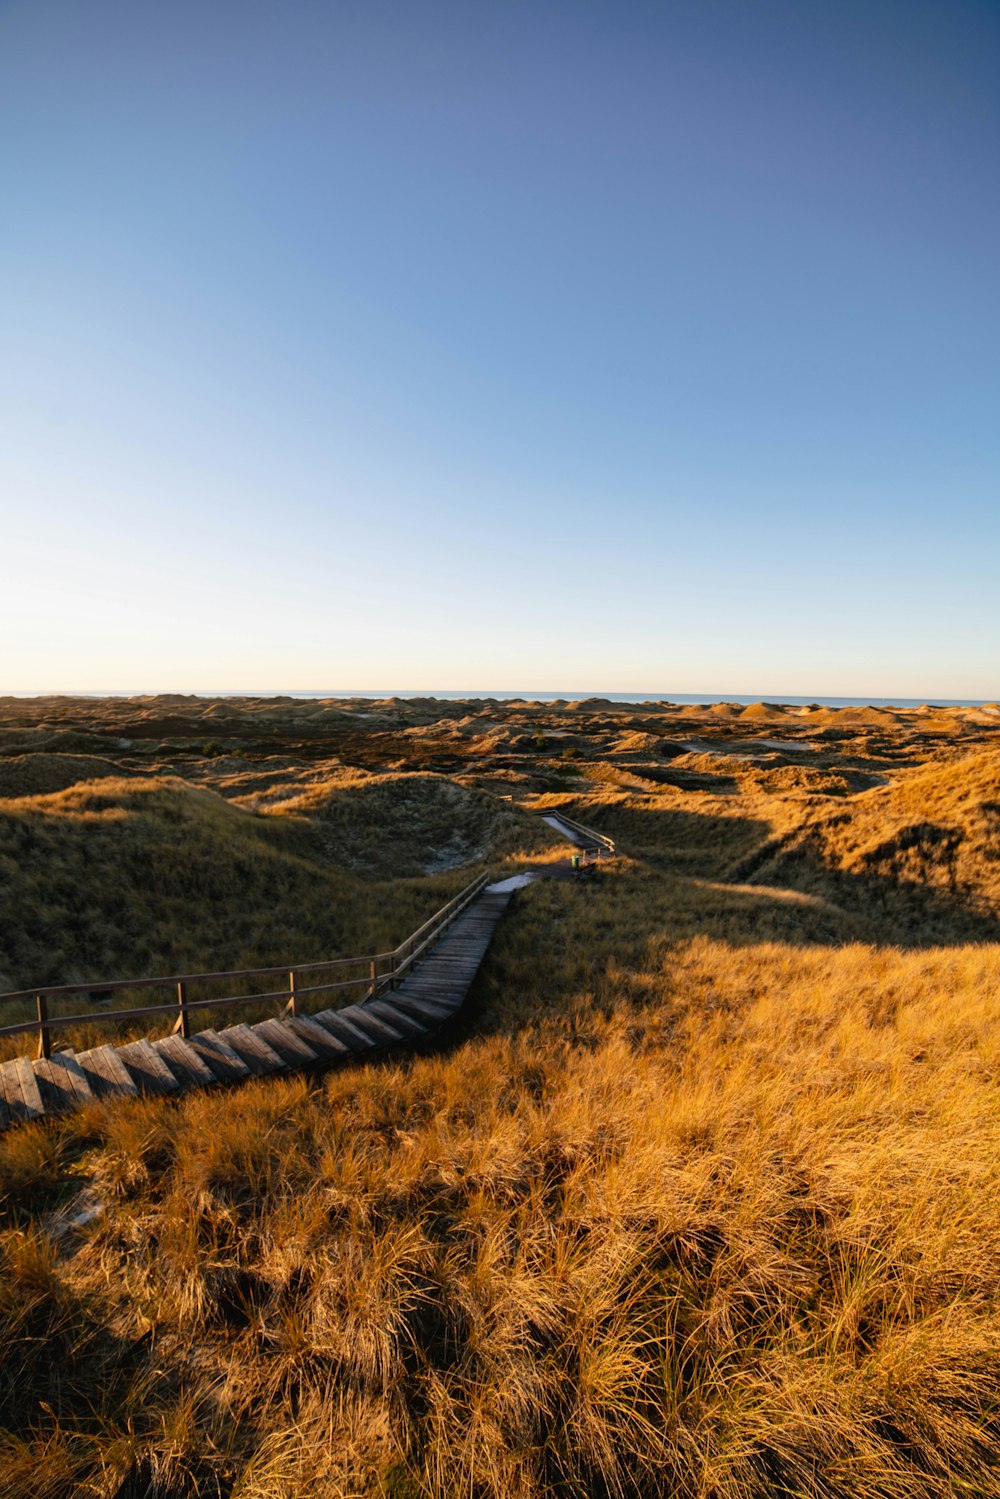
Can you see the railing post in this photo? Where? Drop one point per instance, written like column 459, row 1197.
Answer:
column 44, row 1037
column 374, row 976
column 183, row 1024
column 292, row 1007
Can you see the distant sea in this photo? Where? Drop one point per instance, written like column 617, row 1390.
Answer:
column 612, row 697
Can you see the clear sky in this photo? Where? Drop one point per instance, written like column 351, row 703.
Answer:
column 590, row 346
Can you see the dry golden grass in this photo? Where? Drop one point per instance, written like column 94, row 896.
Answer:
column 703, row 1199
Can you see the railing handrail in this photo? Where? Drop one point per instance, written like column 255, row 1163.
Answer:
column 399, row 959
column 600, row 838
column 112, row 986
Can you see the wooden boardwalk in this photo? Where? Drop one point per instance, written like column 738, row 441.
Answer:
column 427, row 999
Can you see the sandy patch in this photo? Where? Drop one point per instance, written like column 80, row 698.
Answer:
column 515, row 882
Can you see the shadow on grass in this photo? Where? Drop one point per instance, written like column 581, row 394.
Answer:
column 691, row 875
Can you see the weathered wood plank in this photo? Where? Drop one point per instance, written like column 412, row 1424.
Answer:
column 10, row 1082
column 447, row 989
column 427, row 1009
column 10, row 1093
column 259, row 1057
column 323, row 1042
column 62, row 1082
column 190, row 1070
column 381, row 1032
column 148, row 1069
column 30, row 1098
column 226, row 1064
column 397, row 1017
column 284, row 1041
column 68, row 1061
column 56, row 1089
column 354, row 1038
column 106, row 1073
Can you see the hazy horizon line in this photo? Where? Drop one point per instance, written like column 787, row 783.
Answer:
column 526, row 694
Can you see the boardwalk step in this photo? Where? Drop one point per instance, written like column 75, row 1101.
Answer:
column 282, row 1039
column 19, row 1090
column 190, row 1069
column 222, row 1061
column 431, row 983
column 62, row 1082
column 106, row 1073
column 353, row 1037
column 380, row 1030
column 323, row 1042
column 424, row 1009
column 149, row 1071
column 434, row 983
column 408, row 1024
column 254, row 1050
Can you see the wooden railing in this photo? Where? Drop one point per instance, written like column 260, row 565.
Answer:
column 379, row 971
column 599, row 841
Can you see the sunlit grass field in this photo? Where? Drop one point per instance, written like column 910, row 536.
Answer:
column 701, row 1198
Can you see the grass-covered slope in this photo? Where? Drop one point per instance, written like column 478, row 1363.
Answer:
column 682, row 1215
column 919, row 858
column 124, row 877
column 703, row 1202
column 405, row 824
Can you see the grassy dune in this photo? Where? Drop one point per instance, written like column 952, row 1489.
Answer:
column 701, row 1200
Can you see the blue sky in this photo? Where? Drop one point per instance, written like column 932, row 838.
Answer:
column 585, row 346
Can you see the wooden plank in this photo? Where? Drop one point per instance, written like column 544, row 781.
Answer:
column 438, row 991
column 461, row 973
column 31, row 1098
column 381, row 1032
column 62, row 1082
column 150, row 1071
column 10, row 1091
column 106, row 1073
column 285, row 1042
column 426, row 1009
column 409, row 1024
column 188, row 1067
column 67, row 1060
column 450, row 965
column 472, row 955
column 227, row 1064
column 323, row 1042
column 11, row 1080
column 55, row 1086
column 259, row 1057
column 354, row 1038
column 444, row 965
column 446, row 983
column 443, row 994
